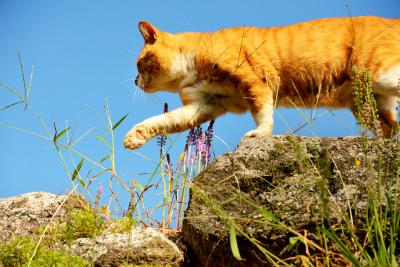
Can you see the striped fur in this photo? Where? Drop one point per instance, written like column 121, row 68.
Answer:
column 247, row 68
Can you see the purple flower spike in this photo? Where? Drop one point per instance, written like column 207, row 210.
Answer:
column 201, row 143
column 191, row 138
column 208, row 139
column 199, row 132
column 209, row 134
column 162, row 139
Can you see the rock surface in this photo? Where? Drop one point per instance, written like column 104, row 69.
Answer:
column 22, row 215
column 302, row 181
column 139, row 247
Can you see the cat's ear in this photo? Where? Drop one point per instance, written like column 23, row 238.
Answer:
column 148, row 31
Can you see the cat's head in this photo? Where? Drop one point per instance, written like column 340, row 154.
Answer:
column 161, row 64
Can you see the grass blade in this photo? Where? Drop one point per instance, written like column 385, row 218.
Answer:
column 75, row 174
column 101, row 138
column 13, row 104
column 22, row 73
column 119, row 121
column 233, row 242
column 29, row 88
column 80, row 138
column 139, row 185
column 104, row 159
column 61, row 134
column 15, row 92
column 344, row 249
column 266, row 214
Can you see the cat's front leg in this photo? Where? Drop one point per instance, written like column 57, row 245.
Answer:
column 177, row 120
column 262, row 111
column 264, row 122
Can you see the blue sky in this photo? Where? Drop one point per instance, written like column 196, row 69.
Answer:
column 84, row 53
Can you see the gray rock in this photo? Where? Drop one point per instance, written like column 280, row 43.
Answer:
column 302, row 181
column 139, row 247
column 22, row 215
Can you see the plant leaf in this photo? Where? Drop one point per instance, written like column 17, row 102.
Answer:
column 345, row 250
column 22, row 73
column 233, row 242
column 76, row 171
column 101, row 138
column 293, row 240
column 139, row 185
column 81, row 182
column 29, row 89
column 88, row 173
column 119, row 121
column 15, row 92
column 9, row 106
column 266, row 214
column 103, row 159
column 61, row 134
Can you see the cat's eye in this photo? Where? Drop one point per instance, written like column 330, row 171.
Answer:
column 147, row 63
column 140, row 65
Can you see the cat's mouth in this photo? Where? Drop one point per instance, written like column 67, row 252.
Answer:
column 143, row 81
column 139, row 82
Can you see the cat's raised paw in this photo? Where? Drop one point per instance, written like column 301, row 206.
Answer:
column 135, row 138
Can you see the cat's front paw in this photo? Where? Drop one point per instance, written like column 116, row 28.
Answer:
column 135, row 138
column 257, row 133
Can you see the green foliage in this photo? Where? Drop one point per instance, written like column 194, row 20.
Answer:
column 75, row 174
column 119, row 122
column 19, row 251
column 122, row 225
column 58, row 259
column 81, row 223
column 233, row 243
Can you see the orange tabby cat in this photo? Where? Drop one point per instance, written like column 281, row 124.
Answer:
column 234, row 70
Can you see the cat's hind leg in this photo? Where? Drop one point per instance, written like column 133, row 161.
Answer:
column 386, row 87
column 387, row 114
column 388, row 82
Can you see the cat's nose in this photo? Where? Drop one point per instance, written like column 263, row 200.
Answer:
column 136, row 80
